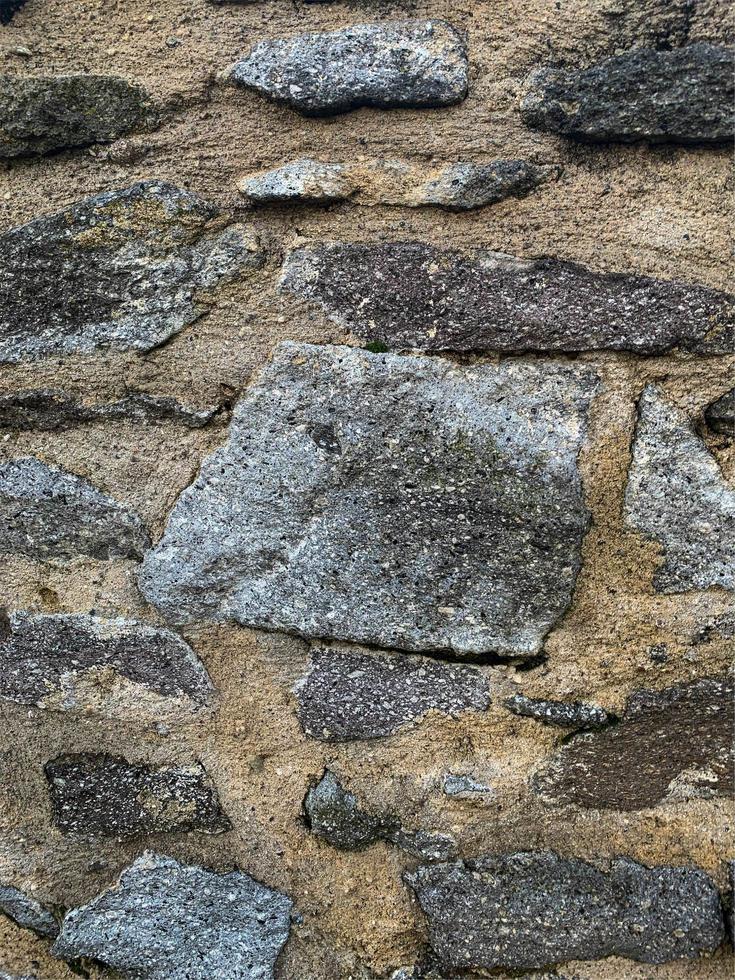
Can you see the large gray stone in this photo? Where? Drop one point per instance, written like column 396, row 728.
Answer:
column 720, row 415
column 412, row 63
column 167, row 921
column 521, row 911
column 332, row 511
column 27, row 912
column 677, row 495
column 681, row 96
column 408, row 295
column 123, row 270
column 47, row 513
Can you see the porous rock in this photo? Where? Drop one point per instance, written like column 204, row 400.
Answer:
column 681, row 96
column 334, row 512
column 566, row 714
column 300, row 180
column 720, row 415
column 27, row 912
column 463, row 186
column 348, row 694
column 167, row 921
column 677, row 495
column 123, row 270
column 411, row 63
column 47, row 513
column 529, row 910
column 410, row 295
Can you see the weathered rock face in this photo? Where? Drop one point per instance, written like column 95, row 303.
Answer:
column 121, row 270
column 410, row 295
column 44, row 115
column 102, row 795
column 521, row 911
column 332, row 512
column 413, row 63
column 76, row 662
column 566, row 714
column 167, row 921
column 47, row 513
column 720, row 415
column 352, row 695
column 676, row 742
column 27, row 912
column 300, row 180
column 681, row 96
column 676, row 494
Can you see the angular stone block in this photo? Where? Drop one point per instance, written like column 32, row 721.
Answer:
column 566, row 714
column 27, row 912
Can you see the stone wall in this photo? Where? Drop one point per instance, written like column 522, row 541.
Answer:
column 366, row 489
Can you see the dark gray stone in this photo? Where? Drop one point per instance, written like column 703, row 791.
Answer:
column 677, row 496
column 681, row 96
column 300, row 180
column 529, row 910
column 352, row 695
column 461, row 786
column 673, row 742
column 333, row 512
column 122, row 270
column 463, row 186
column 566, row 714
column 407, row 295
column 27, row 912
column 720, row 415
column 47, row 513
column 412, row 63
column 167, row 921
column 8, row 8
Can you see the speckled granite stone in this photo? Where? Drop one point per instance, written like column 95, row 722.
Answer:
column 27, row 912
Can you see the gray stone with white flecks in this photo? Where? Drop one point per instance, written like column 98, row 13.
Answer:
column 27, row 912
column 463, row 186
column 300, row 180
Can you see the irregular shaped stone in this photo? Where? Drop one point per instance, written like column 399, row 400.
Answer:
column 167, row 921
column 123, row 270
column 334, row 512
column 463, row 186
column 352, row 695
column 107, row 796
column 566, row 714
column 300, row 180
column 681, row 96
column 27, row 912
column 8, row 8
column 677, row 495
column 521, row 911
column 683, row 730
column 411, row 63
column 464, row 787
column 47, row 513
column 69, row 662
column 720, row 415
column 408, row 295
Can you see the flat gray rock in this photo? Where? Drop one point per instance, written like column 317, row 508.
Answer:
column 464, row 186
column 677, row 496
column 530, row 910
column 682, row 96
column 122, row 270
column 300, row 180
column 409, row 295
column 167, row 921
column 352, row 695
column 27, row 912
column 720, row 415
column 333, row 512
column 411, row 63
column 566, row 714
column 47, row 513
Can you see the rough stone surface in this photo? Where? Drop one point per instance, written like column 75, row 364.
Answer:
column 27, row 912
column 720, row 415
column 463, row 787
column 566, row 714
column 463, row 186
column 527, row 910
column 167, row 921
column 416, row 63
column 333, row 512
column 352, row 695
column 300, row 180
column 681, row 96
column 677, row 495
column 670, row 744
column 412, row 295
column 8, row 8
column 102, row 795
column 47, row 513
column 123, row 270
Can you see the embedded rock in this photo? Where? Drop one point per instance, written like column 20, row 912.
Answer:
column 463, row 186
column 27, row 912
column 351, row 695
column 720, row 415
column 300, row 180
column 682, row 734
column 408, row 295
column 460, row 786
column 334, row 512
column 8, row 8
column 677, row 496
column 411, row 63
column 122, row 270
column 167, row 921
column 565, row 714
column 529, row 910
column 47, row 513
column 682, row 96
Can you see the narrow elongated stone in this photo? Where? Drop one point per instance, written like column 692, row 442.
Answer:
column 300, row 180
column 676, row 495
column 409, row 295
column 529, row 910
column 682, row 96
column 464, row 186
column 566, row 714
column 27, row 912
column 412, row 63
column 720, row 415
column 334, row 512
column 168, row 921
column 123, row 270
